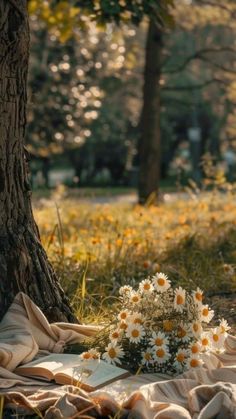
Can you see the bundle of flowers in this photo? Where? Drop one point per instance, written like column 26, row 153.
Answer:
column 158, row 328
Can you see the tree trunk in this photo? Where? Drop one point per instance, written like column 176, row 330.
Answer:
column 149, row 144
column 23, row 262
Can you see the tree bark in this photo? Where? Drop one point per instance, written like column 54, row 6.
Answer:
column 149, row 143
column 23, row 262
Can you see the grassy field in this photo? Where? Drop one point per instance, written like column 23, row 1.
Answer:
column 96, row 248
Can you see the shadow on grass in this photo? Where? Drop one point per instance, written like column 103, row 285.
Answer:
column 197, row 261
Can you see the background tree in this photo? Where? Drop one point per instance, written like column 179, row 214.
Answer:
column 189, row 86
column 150, row 138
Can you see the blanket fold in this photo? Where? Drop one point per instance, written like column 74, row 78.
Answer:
column 203, row 393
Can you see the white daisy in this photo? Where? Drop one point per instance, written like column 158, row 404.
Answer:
column 205, row 342
column 194, row 348
column 94, row 354
column 146, row 287
column 161, row 282
column 217, row 338
column 179, row 300
column 194, row 362
column 196, row 329
column 113, row 354
column 123, row 315
column 206, row 314
column 135, row 297
column 135, row 332
column 123, row 325
column 147, row 357
column 184, row 332
column 168, row 325
column 125, row 291
column 198, row 296
column 159, row 339
column 181, row 358
column 136, row 318
column 115, row 335
column 161, row 354
column 224, row 326
column 86, row 356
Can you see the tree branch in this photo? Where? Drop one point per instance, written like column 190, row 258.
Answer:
column 199, row 55
column 194, row 86
column 219, row 66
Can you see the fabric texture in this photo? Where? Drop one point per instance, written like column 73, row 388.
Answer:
column 203, row 393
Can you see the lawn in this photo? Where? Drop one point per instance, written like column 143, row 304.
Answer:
column 96, row 248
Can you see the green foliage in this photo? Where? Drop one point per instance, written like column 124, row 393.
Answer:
column 127, row 10
column 65, row 17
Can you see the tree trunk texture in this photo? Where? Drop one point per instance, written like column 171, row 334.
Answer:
column 149, row 144
column 23, row 262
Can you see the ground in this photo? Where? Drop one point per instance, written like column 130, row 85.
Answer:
column 98, row 242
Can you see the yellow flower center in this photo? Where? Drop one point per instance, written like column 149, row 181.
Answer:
column 168, row 325
column 205, row 312
column 137, row 320
column 204, row 341
column 126, row 290
column 181, row 332
column 160, row 353
column 179, row 299
column 135, row 333
column 161, row 282
column 194, row 349
column 215, row 338
column 158, row 341
column 86, row 355
column 123, row 326
column 112, row 353
column 195, row 327
column 194, row 363
column 180, row 357
column 135, row 299
column 147, row 287
column 198, row 296
column 123, row 315
column 115, row 335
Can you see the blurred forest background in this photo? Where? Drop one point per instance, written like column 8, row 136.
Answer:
column 86, row 100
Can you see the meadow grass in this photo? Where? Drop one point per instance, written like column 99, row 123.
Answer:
column 96, row 248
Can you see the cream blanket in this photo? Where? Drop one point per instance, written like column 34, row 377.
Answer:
column 205, row 393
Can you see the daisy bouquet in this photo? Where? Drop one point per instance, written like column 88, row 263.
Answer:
column 158, row 328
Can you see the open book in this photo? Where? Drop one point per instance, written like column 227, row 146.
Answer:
column 71, row 369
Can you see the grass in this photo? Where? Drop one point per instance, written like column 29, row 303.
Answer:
column 96, row 248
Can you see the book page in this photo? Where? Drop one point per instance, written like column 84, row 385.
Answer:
column 94, row 373
column 53, row 363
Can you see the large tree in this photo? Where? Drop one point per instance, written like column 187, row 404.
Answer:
column 23, row 262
